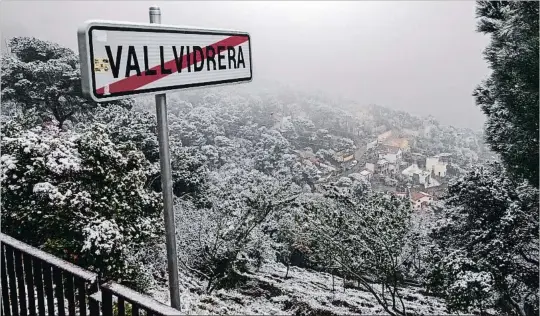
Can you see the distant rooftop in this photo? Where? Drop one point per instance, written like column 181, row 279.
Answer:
column 365, row 172
column 397, row 142
column 418, row 195
column 387, row 149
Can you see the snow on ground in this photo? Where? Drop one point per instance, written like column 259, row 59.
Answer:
column 304, row 292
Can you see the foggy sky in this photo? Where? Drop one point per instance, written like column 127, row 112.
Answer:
column 422, row 57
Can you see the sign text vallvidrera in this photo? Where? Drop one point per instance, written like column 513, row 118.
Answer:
column 121, row 60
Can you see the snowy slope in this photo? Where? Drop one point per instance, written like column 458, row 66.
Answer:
column 302, row 293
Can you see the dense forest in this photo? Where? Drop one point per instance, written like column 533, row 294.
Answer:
column 260, row 229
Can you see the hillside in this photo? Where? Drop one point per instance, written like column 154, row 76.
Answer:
column 304, row 292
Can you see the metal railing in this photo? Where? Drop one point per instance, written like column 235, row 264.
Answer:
column 37, row 283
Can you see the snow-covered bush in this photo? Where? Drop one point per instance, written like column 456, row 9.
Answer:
column 215, row 241
column 362, row 236
column 485, row 253
column 81, row 196
column 139, row 129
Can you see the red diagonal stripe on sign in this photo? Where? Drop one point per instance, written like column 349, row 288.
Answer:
column 134, row 82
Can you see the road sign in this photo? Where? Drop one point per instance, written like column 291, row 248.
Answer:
column 122, row 59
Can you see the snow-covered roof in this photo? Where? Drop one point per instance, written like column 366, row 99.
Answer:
column 365, row 172
column 412, row 169
column 356, row 176
column 443, row 155
column 327, row 167
column 382, row 161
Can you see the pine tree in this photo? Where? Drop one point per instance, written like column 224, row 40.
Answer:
column 45, row 77
column 486, row 253
column 509, row 97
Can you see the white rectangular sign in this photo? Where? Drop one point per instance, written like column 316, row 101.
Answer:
column 122, row 60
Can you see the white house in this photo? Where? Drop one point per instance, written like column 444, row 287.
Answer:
column 401, row 194
column 435, row 165
column 383, row 166
column 417, row 175
column 392, row 154
column 366, row 174
column 420, row 200
column 373, row 144
column 370, row 167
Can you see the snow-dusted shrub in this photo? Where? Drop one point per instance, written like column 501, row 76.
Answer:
column 485, row 253
column 361, row 235
column 139, row 128
column 78, row 196
column 215, row 241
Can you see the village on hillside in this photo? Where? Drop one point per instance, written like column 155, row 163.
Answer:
column 389, row 165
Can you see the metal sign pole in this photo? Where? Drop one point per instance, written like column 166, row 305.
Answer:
column 166, row 184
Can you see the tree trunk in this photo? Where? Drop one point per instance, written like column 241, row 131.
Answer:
column 61, row 123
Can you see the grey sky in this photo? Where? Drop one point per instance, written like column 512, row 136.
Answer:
column 423, row 57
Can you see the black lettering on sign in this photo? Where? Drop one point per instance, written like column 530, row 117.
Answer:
column 188, row 55
column 231, row 53
column 198, row 49
column 147, row 71
column 164, row 70
column 240, row 58
column 115, row 63
column 210, row 57
column 220, row 57
column 132, row 62
column 180, row 60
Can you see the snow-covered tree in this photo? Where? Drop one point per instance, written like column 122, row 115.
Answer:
column 486, row 254
column 139, row 128
column 215, row 240
column 509, row 97
column 81, row 196
column 361, row 235
column 44, row 76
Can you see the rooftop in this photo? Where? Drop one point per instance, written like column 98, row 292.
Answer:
column 412, row 169
column 415, row 196
column 387, row 149
column 397, row 142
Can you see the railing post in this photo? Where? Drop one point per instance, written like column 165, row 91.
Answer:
column 57, row 276
column 38, row 280
column 5, row 293
column 20, row 282
column 12, row 286
column 70, row 293
column 81, row 295
column 94, row 305
column 47, row 280
column 27, row 261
